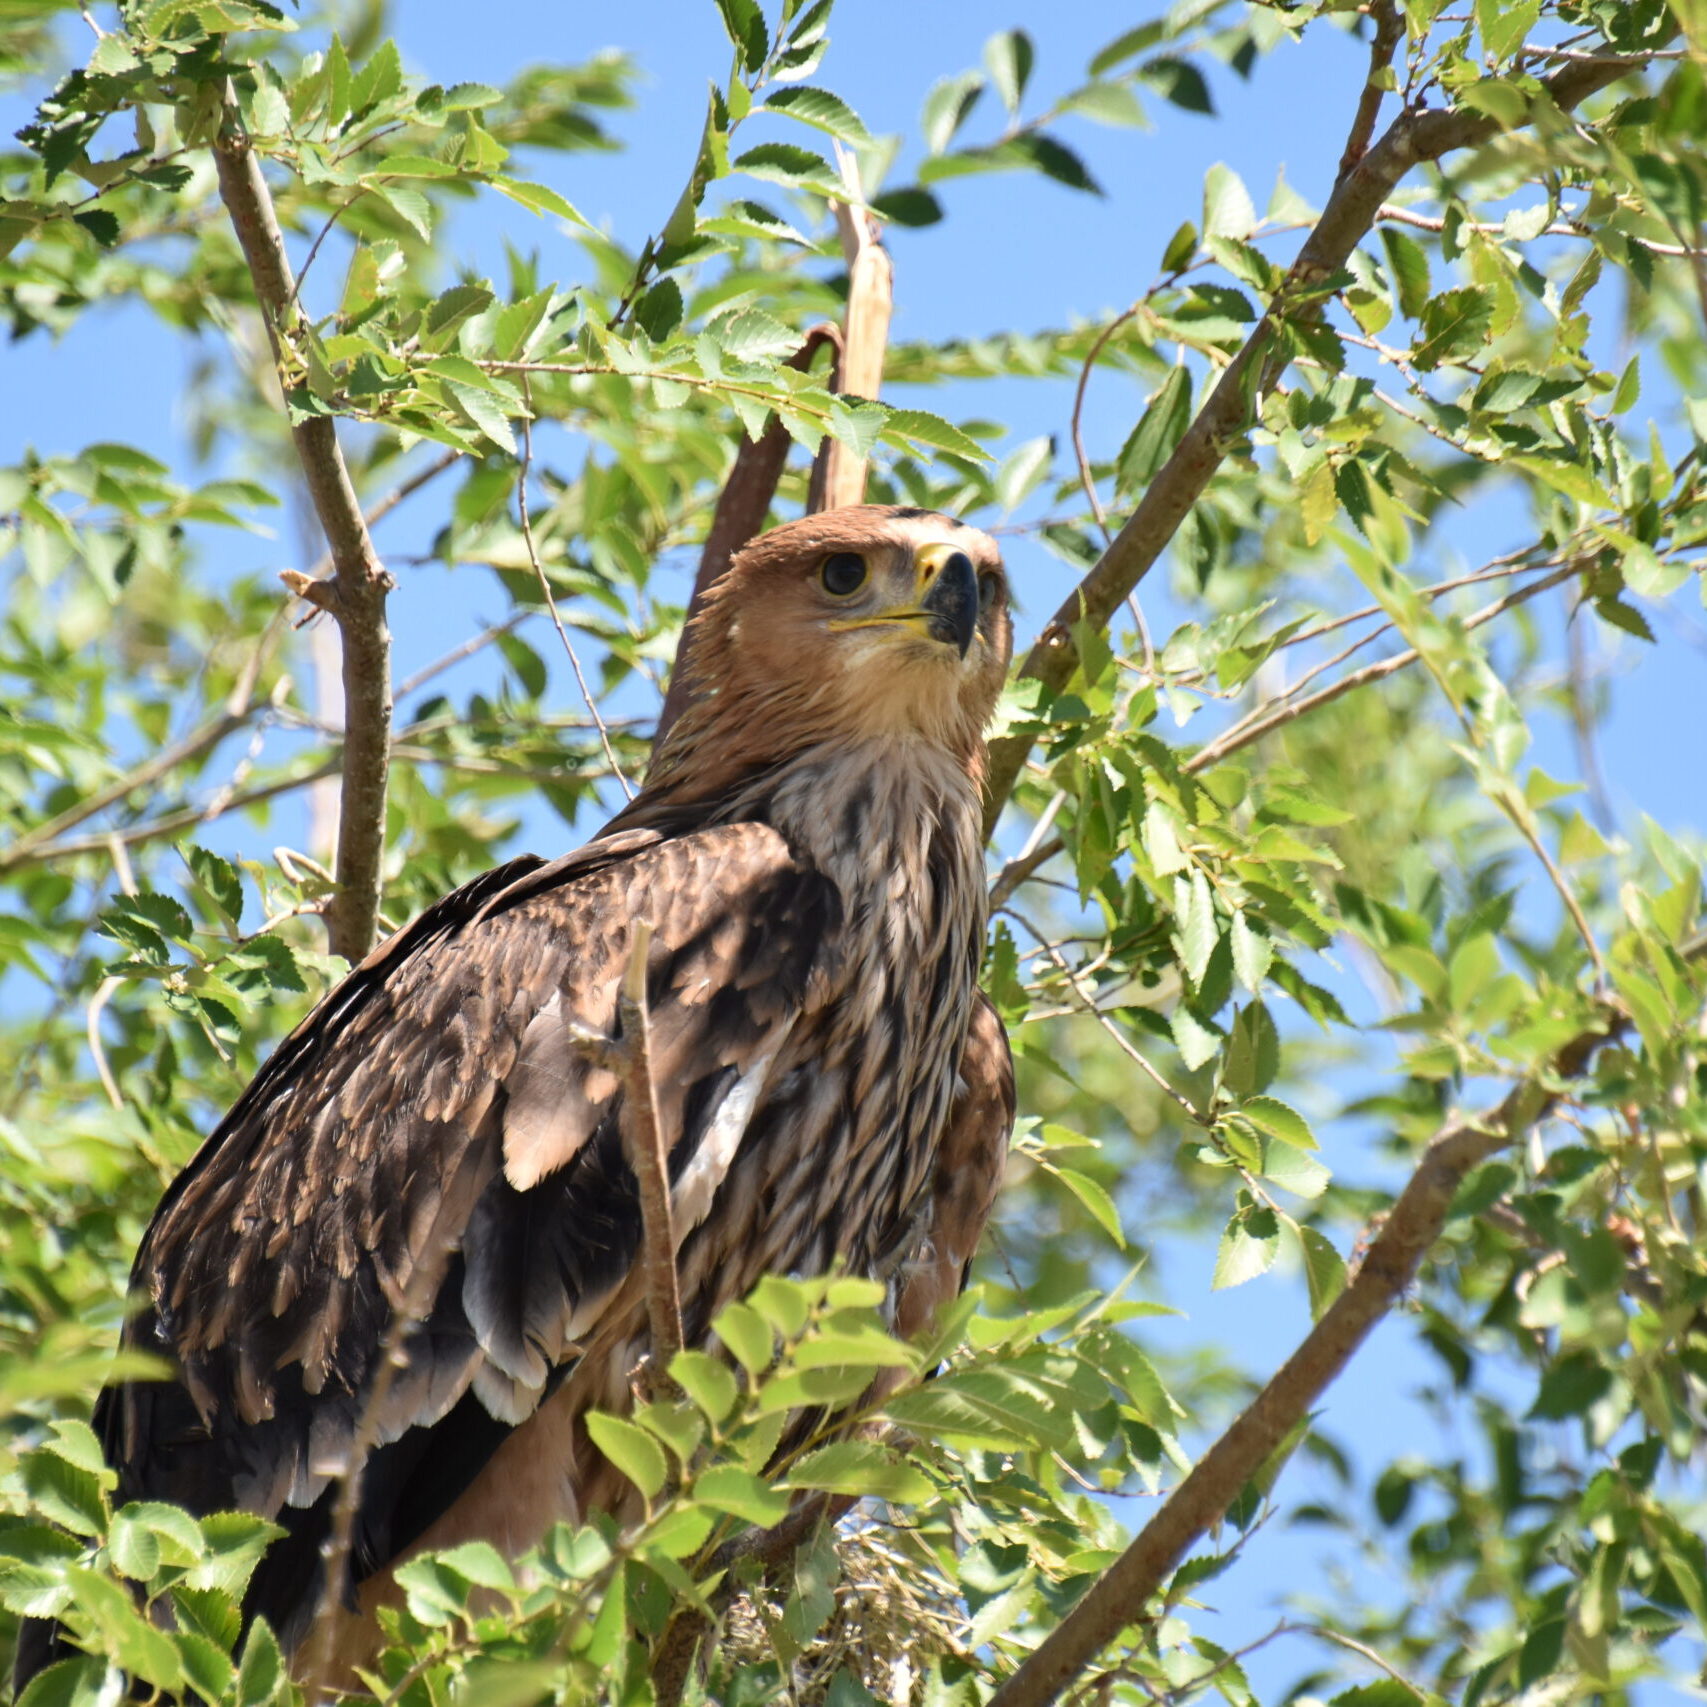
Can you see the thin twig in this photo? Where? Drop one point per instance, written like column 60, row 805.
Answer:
column 1559, row 228
column 1389, row 32
column 643, row 1144
column 240, row 706
column 1267, row 718
column 1075, row 420
column 457, row 653
column 550, row 602
column 382, row 507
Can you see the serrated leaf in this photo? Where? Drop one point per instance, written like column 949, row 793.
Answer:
column 485, row 412
column 631, row 1449
column 745, row 24
column 1179, row 81
column 541, row 199
column 820, row 109
column 863, row 1467
column 1227, row 207
column 1272, row 1116
column 1009, row 57
column 1248, row 1248
column 1293, row 1171
column 1199, row 928
column 728, row 1488
column 747, row 1334
column 1159, row 430
column 1096, row 1199
column 1253, row 953
column 708, row 1381
column 947, row 107
column 917, row 426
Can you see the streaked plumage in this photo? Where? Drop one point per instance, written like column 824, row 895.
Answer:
column 428, row 1144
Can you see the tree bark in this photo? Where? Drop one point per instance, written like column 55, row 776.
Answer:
column 355, row 594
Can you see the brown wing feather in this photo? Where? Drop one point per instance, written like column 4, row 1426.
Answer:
column 968, row 1173
column 362, row 1174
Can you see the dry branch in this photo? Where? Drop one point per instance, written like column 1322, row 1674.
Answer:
column 355, row 595
column 839, row 476
column 1120, row 1596
column 643, row 1144
column 1356, row 202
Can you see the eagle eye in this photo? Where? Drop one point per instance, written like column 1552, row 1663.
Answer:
column 988, row 586
column 843, row 573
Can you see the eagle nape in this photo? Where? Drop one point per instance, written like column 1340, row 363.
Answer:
column 432, row 1163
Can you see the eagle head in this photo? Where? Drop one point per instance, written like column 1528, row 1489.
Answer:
column 875, row 621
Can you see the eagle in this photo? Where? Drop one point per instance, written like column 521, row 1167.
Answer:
column 418, row 1220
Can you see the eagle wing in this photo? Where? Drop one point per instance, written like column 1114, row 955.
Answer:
column 428, row 1166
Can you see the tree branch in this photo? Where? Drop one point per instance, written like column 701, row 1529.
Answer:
column 1264, row 718
column 643, row 1144
column 839, row 477
column 1356, row 202
column 1120, row 1595
column 356, row 593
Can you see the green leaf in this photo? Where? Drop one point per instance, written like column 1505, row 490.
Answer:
column 1096, row 1199
column 1293, row 1171
column 1570, row 1386
column 864, row 1467
column 485, row 412
column 747, row 1335
column 908, row 427
column 1179, row 81
column 219, row 878
column 1277, row 1120
column 631, row 1449
column 707, row 1381
column 745, row 24
column 261, row 1678
column 728, row 1488
column 1159, row 430
column 1009, row 56
column 1455, row 324
column 1253, row 953
column 541, row 199
column 1182, row 246
column 822, row 110
column 947, row 107
column 1227, row 206
column 1248, row 1247
column 1054, row 159
column 1324, row 1270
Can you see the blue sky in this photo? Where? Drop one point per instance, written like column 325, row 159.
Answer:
column 1014, row 253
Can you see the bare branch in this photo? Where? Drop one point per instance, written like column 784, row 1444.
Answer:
column 1389, row 32
column 550, row 601
column 1414, row 137
column 840, row 476
column 1266, row 718
column 643, row 1144
column 359, row 585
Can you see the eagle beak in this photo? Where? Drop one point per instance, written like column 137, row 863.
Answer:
column 948, row 594
column 944, row 606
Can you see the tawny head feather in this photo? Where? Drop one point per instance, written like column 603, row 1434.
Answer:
column 872, row 622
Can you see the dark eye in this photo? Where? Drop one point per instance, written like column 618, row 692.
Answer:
column 843, row 573
column 989, row 586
